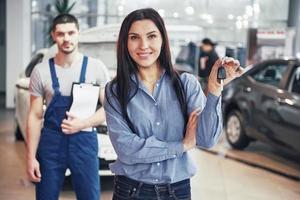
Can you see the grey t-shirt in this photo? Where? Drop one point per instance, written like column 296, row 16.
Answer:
column 41, row 83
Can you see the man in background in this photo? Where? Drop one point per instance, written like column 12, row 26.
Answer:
column 208, row 56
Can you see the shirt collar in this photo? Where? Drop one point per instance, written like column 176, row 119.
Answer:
column 133, row 77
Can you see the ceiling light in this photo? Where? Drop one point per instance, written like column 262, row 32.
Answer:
column 230, row 16
column 245, row 23
column 34, row 3
column 161, row 12
column 249, row 10
column 238, row 24
column 256, row 8
column 120, row 8
column 189, row 10
column 175, row 15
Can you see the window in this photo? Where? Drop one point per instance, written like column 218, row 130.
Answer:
column 271, row 74
column 295, row 81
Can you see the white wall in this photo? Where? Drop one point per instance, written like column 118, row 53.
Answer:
column 18, row 44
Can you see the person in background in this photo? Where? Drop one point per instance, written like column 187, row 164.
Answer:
column 56, row 141
column 153, row 113
column 207, row 58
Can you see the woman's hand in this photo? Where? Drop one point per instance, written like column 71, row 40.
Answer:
column 233, row 70
column 189, row 140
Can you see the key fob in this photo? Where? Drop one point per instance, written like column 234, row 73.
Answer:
column 221, row 73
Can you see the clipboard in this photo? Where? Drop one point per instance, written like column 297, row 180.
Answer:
column 85, row 97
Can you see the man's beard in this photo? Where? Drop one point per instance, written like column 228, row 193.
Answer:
column 66, row 52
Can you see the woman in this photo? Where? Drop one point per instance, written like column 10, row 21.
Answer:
column 152, row 113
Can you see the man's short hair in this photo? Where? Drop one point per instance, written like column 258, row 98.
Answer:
column 63, row 19
column 208, row 41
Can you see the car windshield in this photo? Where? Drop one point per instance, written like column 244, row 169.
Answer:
column 33, row 62
column 271, row 74
column 295, row 83
column 104, row 51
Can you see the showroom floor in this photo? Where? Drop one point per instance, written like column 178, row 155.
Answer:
column 258, row 173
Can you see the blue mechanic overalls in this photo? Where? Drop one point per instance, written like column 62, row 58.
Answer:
column 58, row 151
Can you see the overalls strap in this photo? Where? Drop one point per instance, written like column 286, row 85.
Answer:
column 55, row 84
column 83, row 69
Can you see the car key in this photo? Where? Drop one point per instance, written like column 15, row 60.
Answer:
column 221, row 75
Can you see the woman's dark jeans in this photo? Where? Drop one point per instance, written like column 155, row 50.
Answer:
column 126, row 188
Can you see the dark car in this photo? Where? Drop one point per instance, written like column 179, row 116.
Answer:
column 186, row 60
column 264, row 104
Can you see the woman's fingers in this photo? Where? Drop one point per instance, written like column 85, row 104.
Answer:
column 194, row 115
column 216, row 66
column 193, row 120
column 237, row 64
column 197, row 111
column 240, row 71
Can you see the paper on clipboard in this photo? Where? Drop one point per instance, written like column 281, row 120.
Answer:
column 85, row 98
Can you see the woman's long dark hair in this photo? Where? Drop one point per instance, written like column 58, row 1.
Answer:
column 126, row 67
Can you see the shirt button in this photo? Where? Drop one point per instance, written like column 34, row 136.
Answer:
column 158, row 164
column 156, row 104
column 156, row 180
column 157, row 85
column 174, row 156
column 157, row 123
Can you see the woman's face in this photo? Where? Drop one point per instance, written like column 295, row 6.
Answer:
column 144, row 43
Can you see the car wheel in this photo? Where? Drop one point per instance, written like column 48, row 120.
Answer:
column 235, row 132
column 18, row 134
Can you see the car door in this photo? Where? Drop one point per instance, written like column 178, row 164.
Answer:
column 266, row 88
column 288, row 108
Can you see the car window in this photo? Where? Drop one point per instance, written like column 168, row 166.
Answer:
column 104, row 51
column 183, row 54
column 33, row 62
column 271, row 74
column 295, row 81
column 187, row 54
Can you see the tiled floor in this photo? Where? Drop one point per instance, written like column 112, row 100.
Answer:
column 218, row 178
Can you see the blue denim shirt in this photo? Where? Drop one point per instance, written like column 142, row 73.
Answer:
column 154, row 153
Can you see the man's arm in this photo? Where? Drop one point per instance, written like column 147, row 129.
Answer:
column 73, row 124
column 33, row 133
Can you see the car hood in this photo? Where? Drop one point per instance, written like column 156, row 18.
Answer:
column 23, row 83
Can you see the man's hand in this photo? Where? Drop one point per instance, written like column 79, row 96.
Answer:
column 33, row 132
column 189, row 141
column 33, row 170
column 72, row 125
